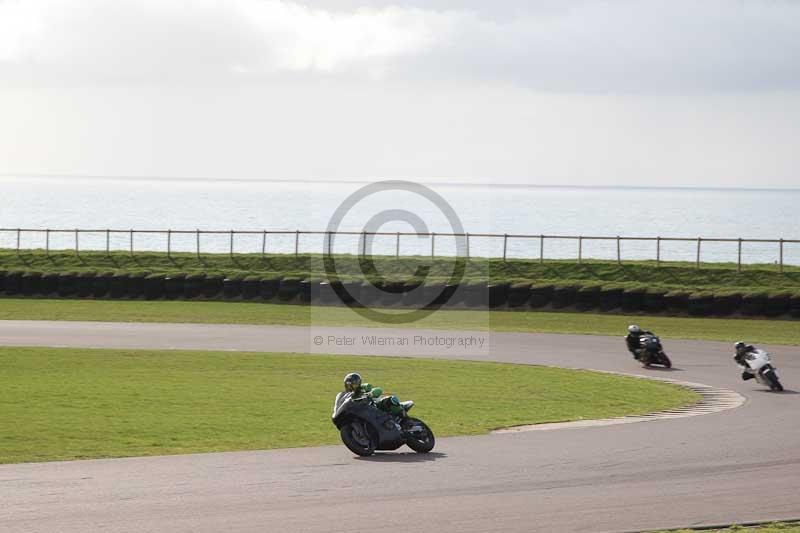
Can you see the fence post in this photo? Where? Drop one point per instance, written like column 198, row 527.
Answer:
column 781, row 255
column 363, row 244
column 19, row 231
column 296, row 242
column 467, row 245
column 505, row 244
column 108, row 242
column 658, row 251
column 47, row 242
column 699, row 240
column 169, row 244
column 197, row 242
column 231, row 247
column 77, row 246
column 397, row 247
column 131, row 242
column 433, row 243
column 580, row 249
column 264, row 243
column 541, row 248
column 619, row 252
column 739, row 260
column 330, row 244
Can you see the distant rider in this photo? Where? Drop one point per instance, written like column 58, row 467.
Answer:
column 632, row 340
column 742, row 351
column 389, row 404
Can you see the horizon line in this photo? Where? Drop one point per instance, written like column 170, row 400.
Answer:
column 424, row 181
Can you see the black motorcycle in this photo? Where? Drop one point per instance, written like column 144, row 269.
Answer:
column 364, row 428
column 652, row 353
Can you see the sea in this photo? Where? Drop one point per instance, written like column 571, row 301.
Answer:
column 522, row 212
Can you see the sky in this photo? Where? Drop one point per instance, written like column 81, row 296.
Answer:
column 623, row 92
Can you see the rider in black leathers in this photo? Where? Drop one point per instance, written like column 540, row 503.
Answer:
column 742, row 350
column 632, row 339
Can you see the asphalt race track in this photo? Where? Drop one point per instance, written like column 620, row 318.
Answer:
column 739, row 465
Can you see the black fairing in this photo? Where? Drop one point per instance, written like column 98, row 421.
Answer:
column 651, row 343
column 345, row 408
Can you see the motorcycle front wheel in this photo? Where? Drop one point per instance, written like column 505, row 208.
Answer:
column 419, row 436
column 665, row 360
column 358, row 438
column 774, row 382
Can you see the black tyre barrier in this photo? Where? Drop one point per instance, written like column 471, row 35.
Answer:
column 212, row 286
column 67, row 283
column 173, row 286
column 101, row 284
column 777, row 305
column 794, row 306
column 519, row 294
column 85, row 284
column 353, row 288
column 611, row 298
column 701, row 304
column 633, row 299
column 754, row 304
column 289, row 289
column 13, row 284
column 251, row 287
column 49, row 284
column 3, row 281
column 726, row 304
column 588, row 298
column 193, row 286
column 433, row 294
column 392, row 293
column 498, row 294
column 541, row 295
column 154, row 286
column 268, row 288
column 309, row 291
column 454, row 294
column 232, row 287
column 118, row 286
column 676, row 301
column 31, row 283
column 411, row 297
column 136, row 284
column 564, row 296
column 654, row 300
column 476, row 294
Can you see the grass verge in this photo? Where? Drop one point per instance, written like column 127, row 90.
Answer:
column 753, row 330
column 710, row 277
column 75, row 404
column 777, row 527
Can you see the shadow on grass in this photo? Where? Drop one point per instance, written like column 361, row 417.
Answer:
column 402, row 457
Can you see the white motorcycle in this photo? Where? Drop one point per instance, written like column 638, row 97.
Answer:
column 760, row 366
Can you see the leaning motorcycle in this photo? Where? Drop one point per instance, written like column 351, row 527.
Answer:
column 760, row 366
column 364, row 428
column 652, row 352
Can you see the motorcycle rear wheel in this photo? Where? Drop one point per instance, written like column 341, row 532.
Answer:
column 358, row 438
column 419, row 441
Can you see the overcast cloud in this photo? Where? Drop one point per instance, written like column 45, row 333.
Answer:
column 482, row 54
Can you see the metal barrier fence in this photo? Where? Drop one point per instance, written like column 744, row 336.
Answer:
column 264, row 235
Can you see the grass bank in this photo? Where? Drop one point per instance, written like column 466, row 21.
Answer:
column 763, row 331
column 667, row 275
column 74, row 404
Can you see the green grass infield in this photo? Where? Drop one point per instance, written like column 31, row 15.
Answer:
column 752, row 330
column 61, row 404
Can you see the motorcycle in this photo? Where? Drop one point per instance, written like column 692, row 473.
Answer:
column 760, row 366
column 652, row 352
column 364, row 428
